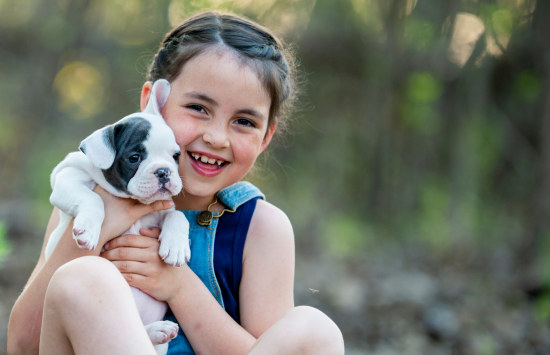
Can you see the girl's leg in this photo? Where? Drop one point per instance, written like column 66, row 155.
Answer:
column 89, row 309
column 302, row 330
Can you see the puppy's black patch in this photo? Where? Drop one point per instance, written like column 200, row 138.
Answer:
column 127, row 138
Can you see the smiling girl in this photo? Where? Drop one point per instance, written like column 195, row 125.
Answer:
column 232, row 83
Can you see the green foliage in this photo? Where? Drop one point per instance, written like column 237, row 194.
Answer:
column 345, row 236
column 503, row 22
column 5, row 245
column 434, row 223
column 419, row 34
column 56, row 33
column 542, row 309
column 528, row 87
column 9, row 130
column 423, row 89
column 487, row 346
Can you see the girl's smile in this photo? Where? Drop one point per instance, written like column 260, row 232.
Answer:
column 207, row 164
column 218, row 109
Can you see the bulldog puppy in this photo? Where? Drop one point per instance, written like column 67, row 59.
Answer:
column 136, row 157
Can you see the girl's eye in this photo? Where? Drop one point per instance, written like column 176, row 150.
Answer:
column 197, row 108
column 245, row 122
column 134, row 158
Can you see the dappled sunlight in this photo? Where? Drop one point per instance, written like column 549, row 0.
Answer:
column 409, row 6
column 15, row 13
column 81, row 89
column 257, row 7
column 178, row 10
column 281, row 15
column 466, row 31
column 369, row 13
column 131, row 22
column 289, row 15
column 502, row 23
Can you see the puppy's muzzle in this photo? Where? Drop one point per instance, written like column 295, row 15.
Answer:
column 163, row 175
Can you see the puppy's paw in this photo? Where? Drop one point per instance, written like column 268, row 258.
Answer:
column 161, row 332
column 174, row 248
column 86, row 231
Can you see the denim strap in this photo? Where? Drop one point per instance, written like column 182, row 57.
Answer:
column 235, row 195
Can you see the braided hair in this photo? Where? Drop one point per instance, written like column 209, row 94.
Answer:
column 255, row 45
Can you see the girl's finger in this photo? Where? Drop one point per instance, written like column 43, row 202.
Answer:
column 129, row 240
column 136, row 280
column 131, row 267
column 127, row 254
column 150, row 232
column 140, row 210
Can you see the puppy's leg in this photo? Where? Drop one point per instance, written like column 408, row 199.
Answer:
column 72, row 193
column 174, row 239
column 161, row 333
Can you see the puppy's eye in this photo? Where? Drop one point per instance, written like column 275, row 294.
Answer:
column 177, row 156
column 134, row 158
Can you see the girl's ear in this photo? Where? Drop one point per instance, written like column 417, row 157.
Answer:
column 145, row 95
column 268, row 135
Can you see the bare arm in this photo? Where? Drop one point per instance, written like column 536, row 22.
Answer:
column 266, row 290
column 26, row 317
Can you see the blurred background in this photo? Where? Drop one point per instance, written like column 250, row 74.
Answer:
column 416, row 172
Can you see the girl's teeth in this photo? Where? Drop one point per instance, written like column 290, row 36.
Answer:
column 205, row 159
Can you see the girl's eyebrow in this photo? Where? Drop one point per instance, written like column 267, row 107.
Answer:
column 251, row 112
column 201, row 96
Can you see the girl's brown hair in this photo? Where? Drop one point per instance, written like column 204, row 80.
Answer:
column 255, row 45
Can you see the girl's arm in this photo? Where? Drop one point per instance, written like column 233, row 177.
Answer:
column 26, row 317
column 266, row 290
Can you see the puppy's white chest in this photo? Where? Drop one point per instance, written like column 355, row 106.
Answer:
column 153, row 219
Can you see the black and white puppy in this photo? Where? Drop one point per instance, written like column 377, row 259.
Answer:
column 136, row 157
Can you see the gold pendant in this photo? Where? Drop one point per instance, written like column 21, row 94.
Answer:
column 205, row 218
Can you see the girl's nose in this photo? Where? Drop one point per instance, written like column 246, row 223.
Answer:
column 216, row 136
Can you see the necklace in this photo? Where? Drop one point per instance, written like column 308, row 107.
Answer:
column 205, row 217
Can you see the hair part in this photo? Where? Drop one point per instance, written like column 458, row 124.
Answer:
column 255, row 45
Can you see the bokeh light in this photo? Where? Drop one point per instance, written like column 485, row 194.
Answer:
column 81, row 89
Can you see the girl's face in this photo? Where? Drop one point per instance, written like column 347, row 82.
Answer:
column 218, row 110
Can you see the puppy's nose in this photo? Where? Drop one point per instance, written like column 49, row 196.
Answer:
column 163, row 175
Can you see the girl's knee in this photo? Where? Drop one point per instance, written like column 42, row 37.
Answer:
column 315, row 329
column 79, row 277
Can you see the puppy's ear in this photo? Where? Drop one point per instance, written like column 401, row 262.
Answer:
column 159, row 95
column 99, row 147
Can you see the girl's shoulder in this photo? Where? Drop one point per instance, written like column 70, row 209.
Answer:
column 270, row 231
column 266, row 291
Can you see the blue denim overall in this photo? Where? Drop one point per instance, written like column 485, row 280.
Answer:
column 201, row 239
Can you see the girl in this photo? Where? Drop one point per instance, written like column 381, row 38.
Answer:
column 231, row 84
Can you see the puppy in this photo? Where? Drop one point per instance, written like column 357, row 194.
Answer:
column 137, row 157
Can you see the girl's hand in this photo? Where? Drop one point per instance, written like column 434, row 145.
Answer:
column 137, row 258
column 122, row 213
